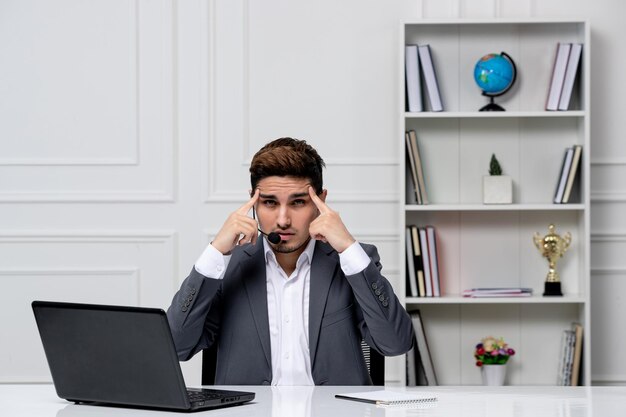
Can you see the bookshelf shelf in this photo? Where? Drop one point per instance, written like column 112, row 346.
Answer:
column 494, row 207
column 496, row 115
column 457, row 299
column 492, row 245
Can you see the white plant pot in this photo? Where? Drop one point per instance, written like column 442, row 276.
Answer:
column 497, row 189
column 493, row 375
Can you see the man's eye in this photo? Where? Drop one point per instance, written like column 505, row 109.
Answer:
column 270, row 203
column 299, row 202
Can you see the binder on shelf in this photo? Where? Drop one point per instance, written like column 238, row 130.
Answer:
column 422, row 348
column 558, row 76
column 419, row 262
column 434, row 262
column 413, row 83
column 573, row 62
column 430, row 78
column 410, row 254
column 426, row 258
column 415, row 150
column 571, row 176
column 565, row 167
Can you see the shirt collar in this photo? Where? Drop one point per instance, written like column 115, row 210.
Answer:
column 307, row 254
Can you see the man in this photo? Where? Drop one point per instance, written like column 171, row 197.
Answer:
column 292, row 312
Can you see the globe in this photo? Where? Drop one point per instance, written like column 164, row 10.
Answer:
column 495, row 74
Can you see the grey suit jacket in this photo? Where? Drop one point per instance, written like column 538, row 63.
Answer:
column 343, row 310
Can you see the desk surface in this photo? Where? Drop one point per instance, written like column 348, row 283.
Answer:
column 475, row 401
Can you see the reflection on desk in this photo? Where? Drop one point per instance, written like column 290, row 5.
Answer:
column 470, row 401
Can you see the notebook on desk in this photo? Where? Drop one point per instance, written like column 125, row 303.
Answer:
column 119, row 355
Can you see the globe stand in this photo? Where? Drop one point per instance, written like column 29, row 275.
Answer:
column 491, row 106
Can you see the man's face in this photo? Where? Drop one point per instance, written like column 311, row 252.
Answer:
column 284, row 207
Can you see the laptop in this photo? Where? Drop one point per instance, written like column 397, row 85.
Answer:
column 116, row 355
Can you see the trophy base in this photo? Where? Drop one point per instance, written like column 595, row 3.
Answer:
column 552, row 289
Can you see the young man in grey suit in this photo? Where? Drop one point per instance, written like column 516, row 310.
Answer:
column 292, row 312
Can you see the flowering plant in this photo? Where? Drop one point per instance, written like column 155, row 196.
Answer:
column 492, row 351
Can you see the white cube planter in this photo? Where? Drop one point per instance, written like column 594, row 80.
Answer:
column 497, row 189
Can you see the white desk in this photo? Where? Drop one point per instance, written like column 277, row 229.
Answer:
column 41, row 400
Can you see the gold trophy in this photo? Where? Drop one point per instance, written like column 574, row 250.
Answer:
column 552, row 247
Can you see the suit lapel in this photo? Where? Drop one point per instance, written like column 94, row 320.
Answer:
column 254, row 278
column 323, row 268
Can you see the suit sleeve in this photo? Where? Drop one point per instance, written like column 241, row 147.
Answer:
column 386, row 326
column 194, row 314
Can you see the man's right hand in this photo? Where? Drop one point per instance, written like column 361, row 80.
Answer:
column 236, row 225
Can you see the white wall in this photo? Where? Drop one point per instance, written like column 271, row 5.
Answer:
column 126, row 127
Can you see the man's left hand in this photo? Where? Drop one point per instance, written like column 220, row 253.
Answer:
column 328, row 226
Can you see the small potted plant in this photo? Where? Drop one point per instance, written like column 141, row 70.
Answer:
column 491, row 356
column 497, row 188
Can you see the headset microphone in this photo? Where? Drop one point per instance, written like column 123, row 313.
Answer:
column 273, row 237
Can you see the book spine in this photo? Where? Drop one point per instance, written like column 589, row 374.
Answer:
column 418, row 166
column 558, row 76
column 413, row 85
column 571, row 176
column 570, row 75
column 569, row 153
column 410, row 263
column 434, row 260
column 430, row 78
column 426, row 259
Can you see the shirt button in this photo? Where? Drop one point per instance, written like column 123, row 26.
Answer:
column 219, row 268
column 374, row 285
column 287, row 319
column 385, row 303
column 286, row 355
column 381, row 297
column 377, row 292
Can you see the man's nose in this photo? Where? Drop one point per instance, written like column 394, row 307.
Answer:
column 283, row 219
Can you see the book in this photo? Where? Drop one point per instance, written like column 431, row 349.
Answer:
column 419, row 262
column 412, row 167
column 422, row 347
column 411, row 368
column 560, row 187
column 578, row 347
column 413, row 83
column 498, row 292
column 388, row 397
column 558, row 75
column 566, row 359
column 418, row 166
column 434, row 260
column 571, row 70
column 571, row 176
column 410, row 254
column 430, row 78
column 426, row 261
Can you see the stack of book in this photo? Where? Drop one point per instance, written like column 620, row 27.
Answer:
column 419, row 65
column 564, row 74
column 571, row 354
column 498, row 292
column 569, row 168
column 422, row 262
column 419, row 363
column 414, row 163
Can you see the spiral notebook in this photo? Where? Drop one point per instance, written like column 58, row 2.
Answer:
column 390, row 398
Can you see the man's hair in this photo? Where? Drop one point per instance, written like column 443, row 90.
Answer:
column 287, row 157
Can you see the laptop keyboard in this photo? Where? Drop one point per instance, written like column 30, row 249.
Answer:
column 204, row 395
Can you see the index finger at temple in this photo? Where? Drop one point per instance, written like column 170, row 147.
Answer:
column 318, row 201
column 250, row 203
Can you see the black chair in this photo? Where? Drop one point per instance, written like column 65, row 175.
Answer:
column 375, row 364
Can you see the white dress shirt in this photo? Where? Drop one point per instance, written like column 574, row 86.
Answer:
column 287, row 305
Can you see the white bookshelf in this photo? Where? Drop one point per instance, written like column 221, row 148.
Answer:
column 491, row 245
